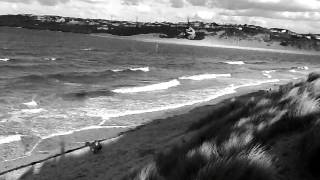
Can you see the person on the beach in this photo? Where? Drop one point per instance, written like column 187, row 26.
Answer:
column 95, row 146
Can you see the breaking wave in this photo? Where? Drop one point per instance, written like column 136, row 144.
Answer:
column 234, row 62
column 5, row 59
column 295, row 69
column 204, row 76
column 153, row 87
column 144, row 69
column 9, row 139
column 267, row 73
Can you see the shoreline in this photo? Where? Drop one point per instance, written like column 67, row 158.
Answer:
column 211, row 42
column 28, row 162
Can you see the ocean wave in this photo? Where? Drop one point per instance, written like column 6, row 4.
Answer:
column 204, row 76
column 217, row 93
column 31, row 103
column 144, row 69
column 71, row 77
column 72, row 84
column 105, row 116
column 256, row 83
column 303, row 68
column 153, row 87
column 267, row 73
column 234, row 62
column 33, row 111
column 10, row 139
column 295, row 69
column 5, row 59
column 50, row 58
column 256, row 62
column 87, row 49
column 81, row 129
column 86, row 94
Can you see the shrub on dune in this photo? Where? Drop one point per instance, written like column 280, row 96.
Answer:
column 304, row 105
column 207, row 150
column 310, row 152
column 218, row 113
column 258, row 155
column 313, row 76
column 284, row 89
column 263, row 102
column 237, row 142
column 291, row 94
column 316, row 88
column 251, row 165
column 149, row 172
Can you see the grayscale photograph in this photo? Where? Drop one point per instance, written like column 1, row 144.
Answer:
column 159, row 89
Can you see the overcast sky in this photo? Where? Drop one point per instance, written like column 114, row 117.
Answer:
column 298, row 15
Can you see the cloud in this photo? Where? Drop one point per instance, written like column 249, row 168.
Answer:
column 199, row 2
column 52, row 2
column 177, row 3
column 205, row 15
column 42, row 2
column 131, row 2
column 273, row 5
column 143, row 8
column 297, row 15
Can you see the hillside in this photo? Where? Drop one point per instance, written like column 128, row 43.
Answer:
column 232, row 33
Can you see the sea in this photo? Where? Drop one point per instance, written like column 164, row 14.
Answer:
column 54, row 83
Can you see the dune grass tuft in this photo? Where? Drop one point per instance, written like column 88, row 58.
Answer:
column 248, row 138
column 313, row 76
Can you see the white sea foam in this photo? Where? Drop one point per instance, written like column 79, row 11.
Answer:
column 294, row 70
column 72, row 84
column 144, row 69
column 87, row 49
column 82, row 129
column 267, row 73
column 105, row 115
column 256, row 83
column 229, row 90
column 50, row 59
column 153, row 87
column 303, row 68
column 117, row 70
column 5, row 59
column 31, row 103
column 204, row 76
column 33, row 111
column 235, row 62
column 9, row 139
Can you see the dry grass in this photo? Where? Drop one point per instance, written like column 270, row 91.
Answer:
column 304, row 105
column 236, row 140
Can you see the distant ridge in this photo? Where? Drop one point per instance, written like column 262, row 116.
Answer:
column 235, row 32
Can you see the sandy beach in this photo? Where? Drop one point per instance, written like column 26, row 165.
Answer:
column 214, row 41
column 123, row 150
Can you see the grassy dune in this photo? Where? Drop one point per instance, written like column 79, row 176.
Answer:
column 272, row 135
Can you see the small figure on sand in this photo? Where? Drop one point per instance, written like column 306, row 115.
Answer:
column 95, row 146
column 269, row 90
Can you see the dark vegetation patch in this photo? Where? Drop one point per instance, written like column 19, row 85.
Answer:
column 237, row 139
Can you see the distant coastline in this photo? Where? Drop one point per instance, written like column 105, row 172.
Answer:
column 215, row 42
column 207, row 34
